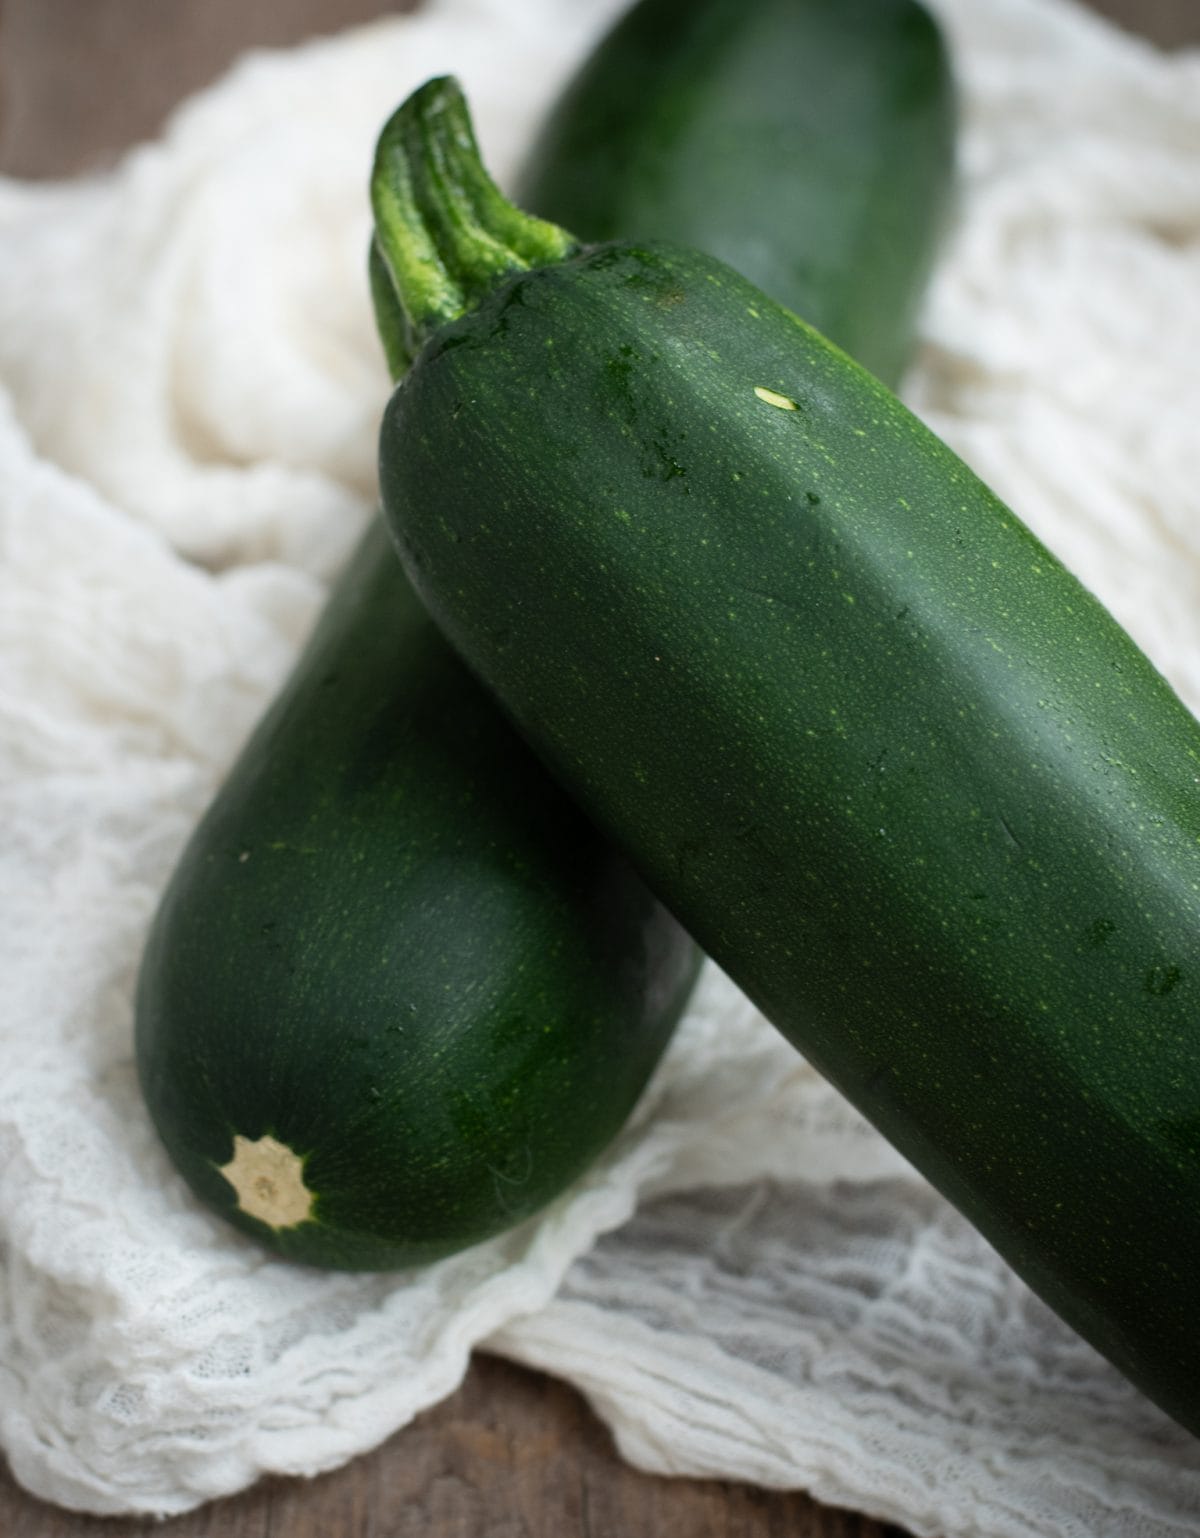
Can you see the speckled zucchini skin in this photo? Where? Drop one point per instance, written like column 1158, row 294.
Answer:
column 900, row 775
column 394, row 946
column 809, row 144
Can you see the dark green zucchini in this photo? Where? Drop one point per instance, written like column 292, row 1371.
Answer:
column 684, row 115
column 395, row 949
column 898, row 772
column 394, row 967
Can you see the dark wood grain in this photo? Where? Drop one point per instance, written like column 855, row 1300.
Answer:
column 82, row 79
column 513, row 1454
column 1170, row 23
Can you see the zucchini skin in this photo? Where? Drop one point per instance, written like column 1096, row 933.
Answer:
column 810, row 145
column 394, row 946
column 264, row 1007
column 900, row 775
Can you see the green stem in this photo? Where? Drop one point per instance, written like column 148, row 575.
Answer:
column 445, row 235
column 390, row 319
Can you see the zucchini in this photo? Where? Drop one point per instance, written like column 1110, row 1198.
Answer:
column 846, row 110
column 398, row 993
column 895, row 769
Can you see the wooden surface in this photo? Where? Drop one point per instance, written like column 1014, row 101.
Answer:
column 513, row 1454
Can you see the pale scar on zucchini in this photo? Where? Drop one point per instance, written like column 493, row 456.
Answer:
column 269, row 1180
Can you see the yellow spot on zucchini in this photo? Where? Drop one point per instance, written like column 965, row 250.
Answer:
column 773, row 398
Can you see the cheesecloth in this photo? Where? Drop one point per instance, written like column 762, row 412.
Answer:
column 750, row 1283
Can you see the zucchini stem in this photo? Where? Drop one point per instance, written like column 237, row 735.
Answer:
column 390, row 319
column 445, row 235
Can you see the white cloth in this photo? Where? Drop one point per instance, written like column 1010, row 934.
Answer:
column 750, row 1283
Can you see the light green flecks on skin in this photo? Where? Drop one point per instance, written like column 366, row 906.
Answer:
column 943, row 938
column 269, row 1180
column 773, row 398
